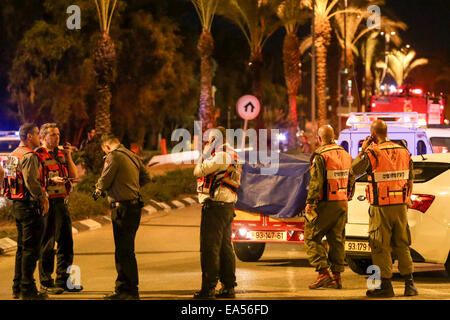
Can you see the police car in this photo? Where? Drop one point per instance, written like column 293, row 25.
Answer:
column 9, row 140
column 403, row 127
column 428, row 218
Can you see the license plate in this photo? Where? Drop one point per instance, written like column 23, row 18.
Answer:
column 357, row 246
column 269, row 235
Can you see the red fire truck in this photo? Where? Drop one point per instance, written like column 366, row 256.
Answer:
column 430, row 108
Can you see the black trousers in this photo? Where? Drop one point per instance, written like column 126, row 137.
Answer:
column 57, row 228
column 29, row 231
column 216, row 251
column 125, row 220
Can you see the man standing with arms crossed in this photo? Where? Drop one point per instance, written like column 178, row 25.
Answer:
column 122, row 177
column 57, row 168
column 22, row 185
column 390, row 180
column 327, row 198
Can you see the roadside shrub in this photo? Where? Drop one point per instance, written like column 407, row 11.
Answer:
column 82, row 206
column 6, row 210
column 87, row 183
column 170, row 186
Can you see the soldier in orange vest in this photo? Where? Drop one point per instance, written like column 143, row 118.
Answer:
column 390, row 179
column 57, row 168
column 326, row 209
column 23, row 186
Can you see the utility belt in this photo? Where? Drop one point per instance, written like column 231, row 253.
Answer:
column 211, row 203
column 127, row 203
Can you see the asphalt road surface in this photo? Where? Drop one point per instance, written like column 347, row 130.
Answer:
column 167, row 250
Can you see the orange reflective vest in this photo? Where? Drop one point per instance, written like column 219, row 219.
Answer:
column 229, row 178
column 337, row 168
column 388, row 181
column 13, row 186
column 52, row 167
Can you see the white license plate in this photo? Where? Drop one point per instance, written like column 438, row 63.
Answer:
column 269, row 235
column 357, row 246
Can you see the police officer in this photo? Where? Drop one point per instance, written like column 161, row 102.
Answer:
column 22, row 185
column 218, row 173
column 326, row 209
column 390, row 174
column 57, row 168
column 123, row 175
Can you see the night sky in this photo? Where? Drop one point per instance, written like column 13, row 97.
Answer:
column 428, row 25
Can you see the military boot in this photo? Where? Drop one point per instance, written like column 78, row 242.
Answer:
column 227, row 293
column 205, row 294
column 337, row 281
column 385, row 291
column 410, row 289
column 323, row 279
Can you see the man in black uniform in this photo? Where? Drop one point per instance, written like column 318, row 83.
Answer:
column 123, row 175
column 23, row 186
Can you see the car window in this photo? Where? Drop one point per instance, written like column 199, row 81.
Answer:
column 8, row 145
column 421, row 147
column 344, row 144
column 425, row 171
column 440, row 144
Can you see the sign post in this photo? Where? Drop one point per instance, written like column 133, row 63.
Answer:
column 248, row 108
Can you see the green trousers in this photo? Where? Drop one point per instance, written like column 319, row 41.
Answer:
column 389, row 232
column 330, row 222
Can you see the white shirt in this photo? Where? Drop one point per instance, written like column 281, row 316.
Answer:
column 219, row 162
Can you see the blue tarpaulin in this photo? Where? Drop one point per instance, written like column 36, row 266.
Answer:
column 280, row 195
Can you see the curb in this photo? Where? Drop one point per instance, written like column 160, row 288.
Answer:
column 8, row 244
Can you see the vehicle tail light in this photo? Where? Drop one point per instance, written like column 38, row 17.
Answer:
column 421, row 202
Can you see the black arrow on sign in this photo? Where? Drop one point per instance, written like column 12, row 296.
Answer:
column 249, row 104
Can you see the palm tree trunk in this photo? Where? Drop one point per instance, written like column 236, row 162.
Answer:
column 207, row 112
column 323, row 37
column 105, row 68
column 321, row 73
column 291, row 61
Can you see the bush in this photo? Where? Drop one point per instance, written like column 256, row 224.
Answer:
column 87, row 183
column 82, row 206
column 169, row 186
column 6, row 210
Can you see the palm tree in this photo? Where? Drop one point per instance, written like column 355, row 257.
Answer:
column 206, row 10
column 400, row 64
column 105, row 60
column 257, row 21
column 292, row 14
column 322, row 26
column 347, row 35
column 368, row 50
